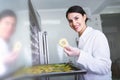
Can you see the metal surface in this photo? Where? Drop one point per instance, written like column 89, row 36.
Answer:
column 34, row 17
column 39, row 43
column 48, row 75
column 35, row 28
column 77, row 72
column 43, row 44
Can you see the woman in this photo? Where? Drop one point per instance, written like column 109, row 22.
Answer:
column 7, row 27
column 93, row 50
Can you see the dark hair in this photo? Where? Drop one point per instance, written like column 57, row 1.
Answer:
column 76, row 9
column 6, row 13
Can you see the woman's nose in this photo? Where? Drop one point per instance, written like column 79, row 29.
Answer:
column 74, row 22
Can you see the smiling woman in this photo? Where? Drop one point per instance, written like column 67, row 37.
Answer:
column 93, row 50
column 77, row 17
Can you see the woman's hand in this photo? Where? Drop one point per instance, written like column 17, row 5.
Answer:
column 71, row 51
column 11, row 57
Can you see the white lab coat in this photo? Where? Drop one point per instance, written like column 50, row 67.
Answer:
column 4, row 50
column 94, row 55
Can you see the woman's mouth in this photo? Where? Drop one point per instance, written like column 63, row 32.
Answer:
column 76, row 27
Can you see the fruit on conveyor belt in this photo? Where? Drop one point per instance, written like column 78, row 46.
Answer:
column 44, row 69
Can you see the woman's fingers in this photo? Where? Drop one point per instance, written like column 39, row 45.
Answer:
column 10, row 58
column 66, row 51
column 69, row 48
column 72, row 51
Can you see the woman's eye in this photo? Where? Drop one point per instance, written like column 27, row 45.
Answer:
column 70, row 21
column 76, row 18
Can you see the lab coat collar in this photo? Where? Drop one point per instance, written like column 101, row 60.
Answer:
column 83, row 37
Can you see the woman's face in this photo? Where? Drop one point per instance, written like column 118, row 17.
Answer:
column 7, row 26
column 77, row 21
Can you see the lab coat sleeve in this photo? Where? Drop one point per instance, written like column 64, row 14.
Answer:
column 99, row 62
column 3, row 51
column 2, row 64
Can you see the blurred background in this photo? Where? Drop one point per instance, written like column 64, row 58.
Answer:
column 104, row 15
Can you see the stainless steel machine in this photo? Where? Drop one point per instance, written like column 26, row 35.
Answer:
column 39, row 43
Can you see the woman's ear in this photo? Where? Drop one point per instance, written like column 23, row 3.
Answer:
column 85, row 17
